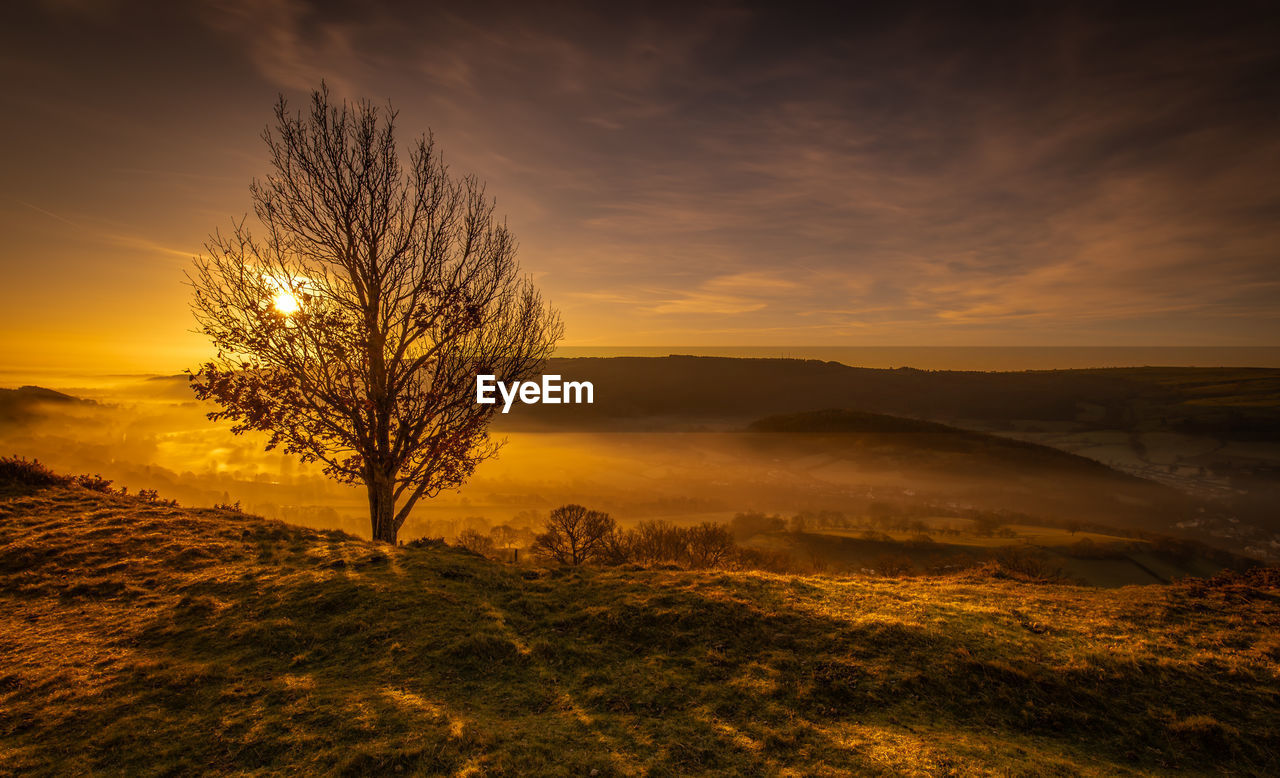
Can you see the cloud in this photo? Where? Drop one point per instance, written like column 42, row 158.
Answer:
column 1076, row 175
column 753, row 281
column 701, row 302
column 291, row 44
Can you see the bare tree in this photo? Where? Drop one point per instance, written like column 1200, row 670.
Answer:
column 352, row 327
column 505, row 536
column 710, row 545
column 477, row 542
column 660, row 541
column 574, row 535
column 617, row 547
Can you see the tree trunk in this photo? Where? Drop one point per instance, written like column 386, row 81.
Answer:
column 382, row 510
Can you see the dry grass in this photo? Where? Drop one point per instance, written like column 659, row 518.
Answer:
column 143, row 639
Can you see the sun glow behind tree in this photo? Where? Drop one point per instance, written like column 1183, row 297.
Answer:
column 350, row 323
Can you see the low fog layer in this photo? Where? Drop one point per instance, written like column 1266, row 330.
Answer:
column 149, row 433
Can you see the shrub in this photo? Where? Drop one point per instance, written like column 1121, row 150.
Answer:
column 19, row 472
column 426, row 543
column 1029, row 564
column 477, row 543
column 659, row 541
column 617, row 548
column 153, row 497
column 96, row 483
column 709, row 545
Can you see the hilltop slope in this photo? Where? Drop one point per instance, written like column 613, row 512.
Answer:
column 137, row 638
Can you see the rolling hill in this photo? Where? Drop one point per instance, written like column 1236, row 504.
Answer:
column 973, row 468
column 142, row 638
column 649, row 391
column 29, row 402
column 925, row 439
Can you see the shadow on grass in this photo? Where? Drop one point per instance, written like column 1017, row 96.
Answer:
column 246, row 645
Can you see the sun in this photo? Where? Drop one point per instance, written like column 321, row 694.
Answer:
column 286, row 293
column 285, row 303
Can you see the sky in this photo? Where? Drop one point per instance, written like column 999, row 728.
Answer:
column 714, row 174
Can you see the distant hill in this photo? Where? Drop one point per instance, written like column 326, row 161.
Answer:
column 25, row 403
column 660, row 392
column 138, row 638
column 650, row 393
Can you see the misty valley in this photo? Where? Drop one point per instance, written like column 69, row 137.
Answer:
column 846, row 492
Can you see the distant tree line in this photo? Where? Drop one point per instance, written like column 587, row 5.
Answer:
column 575, row 535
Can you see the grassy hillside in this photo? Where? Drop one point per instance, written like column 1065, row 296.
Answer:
column 1090, row 558
column 138, row 638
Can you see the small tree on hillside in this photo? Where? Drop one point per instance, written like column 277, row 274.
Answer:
column 476, row 542
column 505, row 536
column 617, row 547
column 574, row 535
column 352, row 326
column 710, row 545
column 660, row 541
